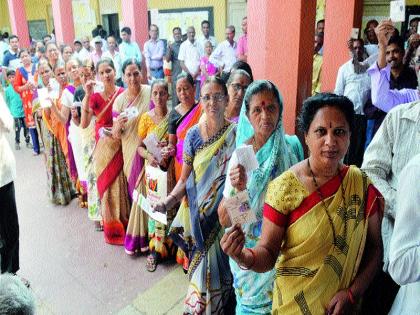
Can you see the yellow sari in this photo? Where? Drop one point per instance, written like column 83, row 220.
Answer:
column 313, row 266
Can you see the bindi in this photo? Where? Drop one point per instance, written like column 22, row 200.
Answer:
column 330, row 125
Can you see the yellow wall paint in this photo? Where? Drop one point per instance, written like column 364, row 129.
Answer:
column 219, row 11
column 39, row 10
column 4, row 17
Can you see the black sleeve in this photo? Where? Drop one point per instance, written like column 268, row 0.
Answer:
column 173, row 118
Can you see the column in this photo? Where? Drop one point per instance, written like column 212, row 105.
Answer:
column 340, row 18
column 134, row 15
column 280, row 49
column 63, row 21
column 18, row 21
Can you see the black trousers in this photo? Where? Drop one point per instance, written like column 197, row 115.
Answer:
column 19, row 124
column 356, row 150
column 9, row 230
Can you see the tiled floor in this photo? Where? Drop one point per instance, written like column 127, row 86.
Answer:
column 71, row 269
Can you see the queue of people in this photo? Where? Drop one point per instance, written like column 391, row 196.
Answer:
column 321, row 239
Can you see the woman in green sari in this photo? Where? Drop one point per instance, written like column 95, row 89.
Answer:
column 208, row 147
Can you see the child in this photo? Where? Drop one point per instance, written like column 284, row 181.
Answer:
column 14, row 102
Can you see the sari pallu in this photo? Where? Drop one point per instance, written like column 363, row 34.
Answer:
column 184, row 124
column 313, row 267
column 196, row 228
column 60, row 187
column 88, row 142
column 136, row 239
column 112, row 188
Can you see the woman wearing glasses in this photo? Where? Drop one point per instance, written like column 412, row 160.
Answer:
column 208, row 147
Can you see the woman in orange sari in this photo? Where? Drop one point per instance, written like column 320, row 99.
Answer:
column 60, row 187
column 108, row 156
column 181, row 119
column 25, row 85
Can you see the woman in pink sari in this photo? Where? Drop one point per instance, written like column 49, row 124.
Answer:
column 181, row 119
column 107, row 157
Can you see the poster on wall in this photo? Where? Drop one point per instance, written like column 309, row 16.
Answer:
column 166, row 20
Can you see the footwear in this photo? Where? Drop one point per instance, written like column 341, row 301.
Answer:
column 17, row 146
column 151, row 262
column 98, row 226
column 24, row 281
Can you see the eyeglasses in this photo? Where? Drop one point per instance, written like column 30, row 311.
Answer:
column 236, row 87
column 217, row 98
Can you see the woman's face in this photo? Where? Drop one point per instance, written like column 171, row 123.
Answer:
column 159, row 95
column 185, row 92
column 237, row 89
column 52, row 53
column 106, row 73
column 67, row 52
column 86, row 74
column 25, row 58
column 214, row 100
column 132, row 76
column 73, row 70
column 45, row 73
column 264, row 113
column 328, row 137
column 60, row 75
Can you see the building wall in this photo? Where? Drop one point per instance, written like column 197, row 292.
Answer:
column 4, row 17
column 219, row 11
column 39, row 10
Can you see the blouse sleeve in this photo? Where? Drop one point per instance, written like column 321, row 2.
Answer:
column 143, row 126
column 173, row 117
column 93, row 104
column 189, row 152
column 284, row 194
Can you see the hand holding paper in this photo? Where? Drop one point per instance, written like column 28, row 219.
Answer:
column 247, row 158
column 239, row 209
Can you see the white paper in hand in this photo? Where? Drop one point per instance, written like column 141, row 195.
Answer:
column 131, row 113
column 247, row 158
column 151, row 143
column 55, row 89
column 239, row 209
column 99, row 87
column 354, row 33
column 144, row 204
column 43, row 97
column 397, row 11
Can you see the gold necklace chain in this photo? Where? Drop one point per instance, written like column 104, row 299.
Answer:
column 325, row 206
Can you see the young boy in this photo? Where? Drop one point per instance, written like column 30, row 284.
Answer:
column 14, row 102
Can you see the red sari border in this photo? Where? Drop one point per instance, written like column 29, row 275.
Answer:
column 110, row 173
column 373, row 202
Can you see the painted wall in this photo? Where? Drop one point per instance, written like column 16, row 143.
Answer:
column 4, row 17
column 39, row 10
column 219, row 11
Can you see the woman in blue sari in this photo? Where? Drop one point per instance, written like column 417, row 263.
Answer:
column 260, row 125
column 208, row 147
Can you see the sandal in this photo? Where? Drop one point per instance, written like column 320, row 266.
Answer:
column 151, row 262
column 98, row 226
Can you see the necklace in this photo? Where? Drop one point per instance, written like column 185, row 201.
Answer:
column 336, row 243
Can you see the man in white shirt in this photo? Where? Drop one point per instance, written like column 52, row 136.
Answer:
column 115, row 56
column 354, row 82
column 205, row 29
column 404, row 254
column 9, row 225
column 189, row 56
column 85, row 52
column 224, row 56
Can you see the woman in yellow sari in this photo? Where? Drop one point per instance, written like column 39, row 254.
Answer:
column 154, row 122
column 322, row 218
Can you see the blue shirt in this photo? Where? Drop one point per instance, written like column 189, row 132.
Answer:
column 11, row 60
column 130, row 50
column 153, row 52
column 14, row 102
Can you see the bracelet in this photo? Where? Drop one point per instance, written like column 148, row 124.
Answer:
column 253, row 260
column 350, row 296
